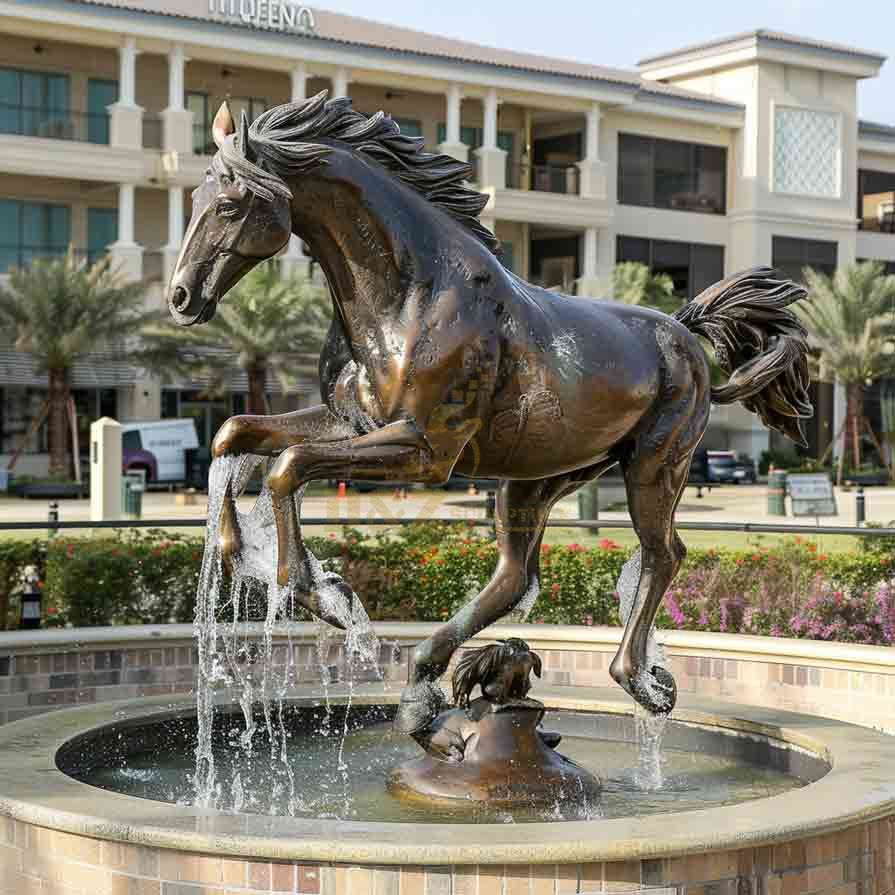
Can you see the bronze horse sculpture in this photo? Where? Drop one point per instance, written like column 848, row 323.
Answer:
column 440, row 360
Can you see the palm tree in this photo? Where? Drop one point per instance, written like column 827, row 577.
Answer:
column 850, row 318
column 268, row 321
column 59, row 310
column 635, row 284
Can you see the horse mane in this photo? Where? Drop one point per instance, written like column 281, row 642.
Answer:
column 285, row 141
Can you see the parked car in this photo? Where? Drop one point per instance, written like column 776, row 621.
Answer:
column 158, row 447
column 720, row 467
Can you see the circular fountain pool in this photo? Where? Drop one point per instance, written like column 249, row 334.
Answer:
column 336, row 762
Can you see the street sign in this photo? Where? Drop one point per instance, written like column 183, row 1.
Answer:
column 812, row 494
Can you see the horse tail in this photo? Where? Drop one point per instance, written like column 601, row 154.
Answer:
column 759, row 344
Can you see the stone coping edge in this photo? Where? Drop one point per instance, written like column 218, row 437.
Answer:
column 745, row 647
column 858, row 789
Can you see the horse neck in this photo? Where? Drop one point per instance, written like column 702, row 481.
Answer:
column 348, row 218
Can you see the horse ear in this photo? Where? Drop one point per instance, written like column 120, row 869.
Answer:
column 223, row 125
column 244, row 143
column 536, row 664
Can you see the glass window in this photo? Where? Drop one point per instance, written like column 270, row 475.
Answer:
column 691, row 266
column 197, row 103
column 409, row 126
column 671, row 174
column 30, row 230
column 34, row 104
column 473, row 137
column 100, row 95
column 791, row 255
column 876, row 201
column 102, row 231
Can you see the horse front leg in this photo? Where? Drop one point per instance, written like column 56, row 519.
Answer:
column 266, row 435
column 397, row 451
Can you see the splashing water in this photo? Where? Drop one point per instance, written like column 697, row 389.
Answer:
column 650, row 728
column 260, row 673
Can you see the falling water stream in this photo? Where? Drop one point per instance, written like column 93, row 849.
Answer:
column 261, row 674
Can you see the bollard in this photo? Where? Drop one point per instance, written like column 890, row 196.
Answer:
column 776, row 492
column 52, row 516
column 588, row 504
column 490, row 505
column 30, row 615
column 860, row 510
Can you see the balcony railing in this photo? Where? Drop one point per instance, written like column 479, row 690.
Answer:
column 878, row 212
column 54, row 124
column 544, row 178
column 152, row 132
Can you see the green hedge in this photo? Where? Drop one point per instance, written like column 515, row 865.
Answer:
column 426, row 572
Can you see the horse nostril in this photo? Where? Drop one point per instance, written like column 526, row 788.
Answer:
column 180, row 298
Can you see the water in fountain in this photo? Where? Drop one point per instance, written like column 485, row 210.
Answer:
column 259, row 673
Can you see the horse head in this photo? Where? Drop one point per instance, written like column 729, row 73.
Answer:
column 236, row 223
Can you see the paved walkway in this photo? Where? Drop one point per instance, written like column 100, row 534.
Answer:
column 725, row 504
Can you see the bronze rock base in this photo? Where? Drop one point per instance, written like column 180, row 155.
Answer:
column 506, row 762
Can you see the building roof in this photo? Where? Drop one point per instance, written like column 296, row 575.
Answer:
column 769, row 35
column 361, row 32
column 875, row 129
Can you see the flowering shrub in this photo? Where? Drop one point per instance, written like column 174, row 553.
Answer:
column 427, row 572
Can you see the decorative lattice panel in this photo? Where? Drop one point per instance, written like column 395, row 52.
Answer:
column 807, row 149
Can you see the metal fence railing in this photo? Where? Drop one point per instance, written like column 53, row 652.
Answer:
column 487, row 521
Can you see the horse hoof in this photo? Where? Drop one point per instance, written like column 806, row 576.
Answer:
column 655, row 690
column 420, row 705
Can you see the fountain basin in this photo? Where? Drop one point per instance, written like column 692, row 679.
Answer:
column 833, row 832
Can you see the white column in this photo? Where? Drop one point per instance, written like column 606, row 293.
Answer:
column 127, row 72
column 125, row 116
column 592, row 134
column 176, row 76
column 492, row 161
column 175, row 230
column 105, row 470
column 489, row 135
column 177, row 121
column 126, row 192
column 294, row 262
column 300, row 77
column 340, row 81
column 589, row 282
column 127, row 256
column 592, row 170
column 452, row 119
column 452, row 144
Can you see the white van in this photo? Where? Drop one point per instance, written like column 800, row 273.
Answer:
column 158, row 448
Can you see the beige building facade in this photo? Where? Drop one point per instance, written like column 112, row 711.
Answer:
column 699, row 163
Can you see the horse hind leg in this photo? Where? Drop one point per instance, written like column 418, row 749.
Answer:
column 654, row 481
column 521, row 513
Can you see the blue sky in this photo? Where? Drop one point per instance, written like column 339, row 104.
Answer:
column 620, row 33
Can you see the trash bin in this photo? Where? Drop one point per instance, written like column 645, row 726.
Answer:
column 198, row 462
column 777, row 492
column 132, row 488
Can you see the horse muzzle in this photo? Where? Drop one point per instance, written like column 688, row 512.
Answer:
column 187, row 308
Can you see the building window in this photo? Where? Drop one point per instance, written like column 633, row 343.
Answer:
column 888, row 266
column 100, row 95
column 692, row 267
column 671, row 174
column 204, row 110
column 791, row 256
column 807, row 152
column 102, row 231
column 35, row 104
column 32, row 230
column 876, row 201
column 410, row 127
